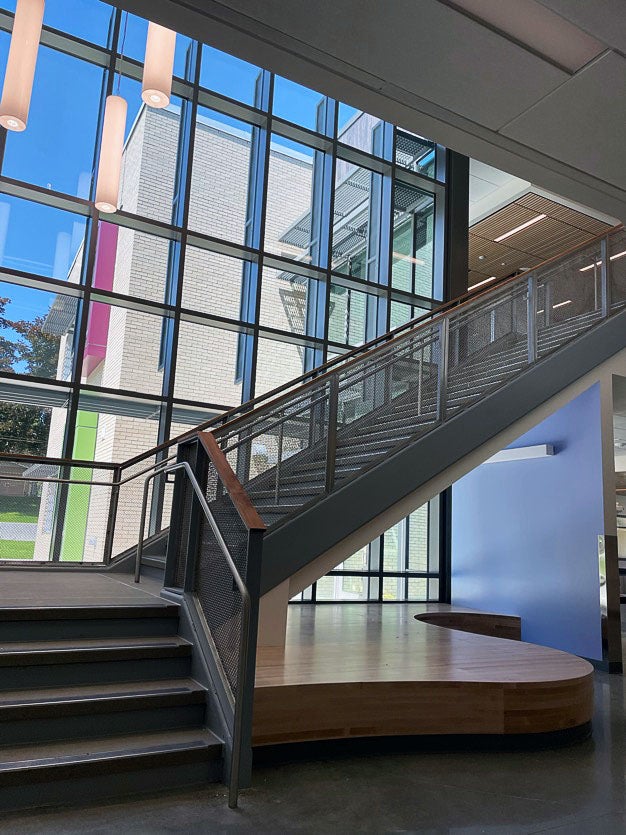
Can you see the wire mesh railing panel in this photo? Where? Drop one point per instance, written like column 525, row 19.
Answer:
column 617, row 268
column 569, row 298
column 486, row 348
column 129, row 498
column 218, row 596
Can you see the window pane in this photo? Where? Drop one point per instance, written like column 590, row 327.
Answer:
column 148, row 182
column 418, row 539
column 357, row 562
column 358, row 129
column 418, row 589
column 393, row 588
column 412, row 261
column 296, row 103
column 132, row 263
column 36, row 332
column 122, row 349
column 206, row 365
column 356, row 221
column 32, row 428
column 218, row 203
column 415, row 153
column 55, row 248
column 227, row 75
column 353, row 315
column 401, row 313
column 289, row 201
column 342, row 588
column 289, row 301
column 394, row 548
column 277, row 363
column 134, row 33
column 57, row 150
column 214, row 283
column 86, row 19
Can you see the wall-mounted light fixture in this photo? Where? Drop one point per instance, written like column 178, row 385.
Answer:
column 111, row 149
column 21, row 63
column 158, row 66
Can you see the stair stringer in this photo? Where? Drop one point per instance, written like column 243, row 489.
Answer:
column 308, row 545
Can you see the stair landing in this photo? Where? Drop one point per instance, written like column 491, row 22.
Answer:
column 51, row 588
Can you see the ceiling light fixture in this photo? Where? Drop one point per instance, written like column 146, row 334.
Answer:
column 561, row 304
column 111, row 150
column 519, row 228
column 480, row 283
column 158, row 66
column 20, row 71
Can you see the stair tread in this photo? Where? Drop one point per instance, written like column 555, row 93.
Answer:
column 50, row 754
column 95, row 612
column 71, row 644
column 97, row 692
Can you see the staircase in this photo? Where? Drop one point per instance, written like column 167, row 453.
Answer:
column 272, row 487
column 99, row 701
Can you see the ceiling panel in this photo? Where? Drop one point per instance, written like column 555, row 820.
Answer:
column 604, row 19
column 562, row 229
column 484, row 77
column 590, row 111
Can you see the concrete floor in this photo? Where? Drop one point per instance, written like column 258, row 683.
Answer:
column 576, row 789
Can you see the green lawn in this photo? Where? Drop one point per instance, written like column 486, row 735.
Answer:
column 12, row 550
column 19, row 508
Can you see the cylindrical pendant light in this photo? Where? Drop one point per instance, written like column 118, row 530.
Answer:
column 111, row 149
column 158, row 66
column 18, row 79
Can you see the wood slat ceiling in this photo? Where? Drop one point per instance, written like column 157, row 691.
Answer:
column 561, row 229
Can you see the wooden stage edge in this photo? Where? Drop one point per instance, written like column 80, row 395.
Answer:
column 360, row 670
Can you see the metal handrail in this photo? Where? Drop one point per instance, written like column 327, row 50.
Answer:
column 90, row 482
column 277, row 394
column 233, row 787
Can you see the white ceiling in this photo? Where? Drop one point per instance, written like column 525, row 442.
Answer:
column 502, row 98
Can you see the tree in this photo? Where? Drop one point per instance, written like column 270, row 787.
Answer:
column 24, row 428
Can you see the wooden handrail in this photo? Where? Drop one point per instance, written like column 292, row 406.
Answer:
column 246, row 510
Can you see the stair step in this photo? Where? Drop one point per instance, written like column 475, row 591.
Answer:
column 59, row 772
column 90, row 661
column 65, row 622
column 60, row 712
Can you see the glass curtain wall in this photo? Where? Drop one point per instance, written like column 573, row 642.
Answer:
column 263, row 228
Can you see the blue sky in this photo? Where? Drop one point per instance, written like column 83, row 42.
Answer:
column 56, row 150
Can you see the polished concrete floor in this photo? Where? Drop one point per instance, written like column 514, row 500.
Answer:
column 575, row 789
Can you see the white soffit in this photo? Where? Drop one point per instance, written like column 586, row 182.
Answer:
column 582, row 123
column 537, row 27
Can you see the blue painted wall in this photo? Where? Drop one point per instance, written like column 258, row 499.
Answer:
column 524, row 533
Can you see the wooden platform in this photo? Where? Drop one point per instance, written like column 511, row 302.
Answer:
column 356, row 670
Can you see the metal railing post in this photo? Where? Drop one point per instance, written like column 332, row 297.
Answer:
column 531, row 327
column 281, row 432
column 112, row 517
column 605, row 277
column 331, row 446
column 442, row 382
